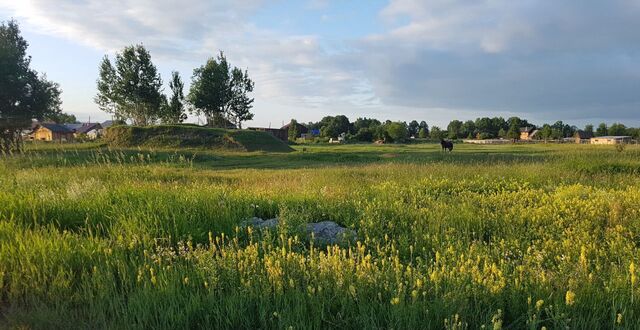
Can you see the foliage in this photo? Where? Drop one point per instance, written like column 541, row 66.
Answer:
column 437, row 133
column 332, row 127
column 293, row 130
column 24, row 94
column 219, row 91
column 61, row 118
column 423, row 134
column 192, row 136
column 397, row 131
column 173, row 111
column 132, row 90
column 602, row 130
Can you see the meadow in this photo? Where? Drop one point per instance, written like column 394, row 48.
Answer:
column 509, row 236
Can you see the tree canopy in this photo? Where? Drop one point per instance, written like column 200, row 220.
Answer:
column 132, row 90
column 221, row 93
column 24, row 93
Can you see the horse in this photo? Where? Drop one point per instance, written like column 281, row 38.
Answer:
column 446, row 145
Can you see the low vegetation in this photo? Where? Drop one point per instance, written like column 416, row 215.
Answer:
column 192, row 136
column 502, row 236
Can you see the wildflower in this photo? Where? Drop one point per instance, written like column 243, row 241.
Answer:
column 186, row 281
column 632, row 271
column 539, row 304
column 570, row 298
column 395, row 301
column 619, row 319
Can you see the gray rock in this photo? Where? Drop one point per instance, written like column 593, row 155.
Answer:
column 329, row 232
column 271, row 223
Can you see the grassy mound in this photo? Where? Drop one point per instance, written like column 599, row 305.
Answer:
column 191, row 136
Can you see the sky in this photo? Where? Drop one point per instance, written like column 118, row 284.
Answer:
column 433, row 60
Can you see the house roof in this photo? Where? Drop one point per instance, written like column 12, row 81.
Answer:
column 56, row 128
column 612, row 137
column 301, row 128
column 88, row 127
column 584, row 134
column 527, row 129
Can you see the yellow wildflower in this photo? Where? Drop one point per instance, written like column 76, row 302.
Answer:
column 570, row 298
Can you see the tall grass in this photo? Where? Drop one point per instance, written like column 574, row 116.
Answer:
column 508, row 236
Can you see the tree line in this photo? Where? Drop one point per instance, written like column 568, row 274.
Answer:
column 131, row 89
column 369, row 129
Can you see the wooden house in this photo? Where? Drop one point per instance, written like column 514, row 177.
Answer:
column 301, row 129
column 528, row 133
column 583, row 136
column 51, row 132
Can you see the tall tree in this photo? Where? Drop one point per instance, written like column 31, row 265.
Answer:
column 220, row 92
column 602, row 130
column 293, row 130
column 454, row 129
column 240, row 103
column 173, row 110
column 133, row 88
column 588, row 129
column 414, row 128
column 24, row 94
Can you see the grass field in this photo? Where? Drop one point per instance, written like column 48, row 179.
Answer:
column 511, row 236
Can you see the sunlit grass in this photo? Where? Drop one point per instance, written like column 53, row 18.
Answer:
column 522, row 236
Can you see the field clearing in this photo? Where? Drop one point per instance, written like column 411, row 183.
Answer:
column 518, row 236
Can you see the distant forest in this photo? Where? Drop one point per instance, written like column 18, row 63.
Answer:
column 369, row 129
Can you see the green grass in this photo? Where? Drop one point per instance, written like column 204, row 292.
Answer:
column 118, row 237
column 189, row 136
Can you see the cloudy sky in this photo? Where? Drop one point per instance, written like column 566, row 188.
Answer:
column 433, row 60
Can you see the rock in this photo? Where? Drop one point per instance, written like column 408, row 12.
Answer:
column 254, row 222
column 329, row 232
column 271, row 223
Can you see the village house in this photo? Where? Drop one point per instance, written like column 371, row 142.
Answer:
column 91, row 131
column 51, row 132
column 301, row 129
column 583, row 136
column 610, row 139
column 528, row 133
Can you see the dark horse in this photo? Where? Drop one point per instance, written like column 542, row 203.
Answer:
column 446, row 145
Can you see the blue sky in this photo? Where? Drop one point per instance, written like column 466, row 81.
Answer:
column 433, row 60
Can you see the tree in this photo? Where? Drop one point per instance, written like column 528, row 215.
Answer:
column 468, row 129
column 514, row 132
column 617, row 129
column 546, row 132
column 61, row 118
column 364, row 134
column 293, row 130
column 133, row 89
column 334, row 126
column 502, row 133
column 24, row 94
column 602, row 130
column 588, row 129
column 436, row 133
column 454, row 129
column 414, row 128
column 423, row 134
column 173, row 110
column 221, row 92
column 397, row 131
